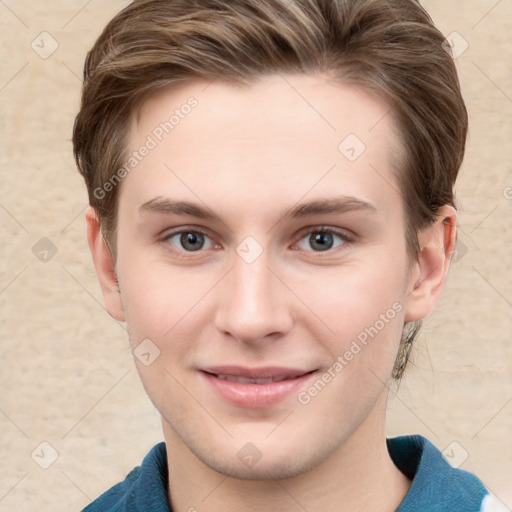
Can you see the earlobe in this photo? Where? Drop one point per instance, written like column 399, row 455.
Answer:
column 104, row 264
column 437, row 244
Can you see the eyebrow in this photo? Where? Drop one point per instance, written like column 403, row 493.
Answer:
column 338, row 205
column 169, row 206
column 341, row 204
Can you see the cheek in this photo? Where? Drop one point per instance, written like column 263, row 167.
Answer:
column 354, row 297
column 160, row 301
column 362, row 311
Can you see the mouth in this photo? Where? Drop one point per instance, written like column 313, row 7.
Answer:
column 247, row 380
column 264, row 375
column 255, row 387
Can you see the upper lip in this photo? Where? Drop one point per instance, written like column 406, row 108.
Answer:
column 256, row 373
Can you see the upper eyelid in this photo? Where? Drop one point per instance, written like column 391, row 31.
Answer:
column 167, row 233
column 302, row 232
column 343, row 233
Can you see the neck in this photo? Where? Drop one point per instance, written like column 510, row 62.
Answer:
column 359, row 475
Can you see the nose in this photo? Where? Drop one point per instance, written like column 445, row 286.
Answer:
column 253, row 304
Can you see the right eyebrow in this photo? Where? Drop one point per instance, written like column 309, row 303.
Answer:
column 170, row 206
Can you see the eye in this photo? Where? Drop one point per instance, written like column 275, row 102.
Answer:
column 321, row 240
column 189, row 241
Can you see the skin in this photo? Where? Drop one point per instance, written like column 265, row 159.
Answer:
column 294, row 306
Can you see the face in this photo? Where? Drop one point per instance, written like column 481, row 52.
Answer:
column 263, row 270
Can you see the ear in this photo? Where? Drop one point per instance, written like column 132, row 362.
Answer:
column 105, row 266
column 428, row 273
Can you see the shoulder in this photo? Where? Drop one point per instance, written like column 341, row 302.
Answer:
column 144, row 488
column 435, row 483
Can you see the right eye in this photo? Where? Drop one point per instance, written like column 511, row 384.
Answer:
column 189, row 240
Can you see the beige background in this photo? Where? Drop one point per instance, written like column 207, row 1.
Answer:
column 67, row 377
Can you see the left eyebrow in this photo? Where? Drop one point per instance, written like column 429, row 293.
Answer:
column 342, row 204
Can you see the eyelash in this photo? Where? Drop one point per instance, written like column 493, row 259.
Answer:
column 345, row 238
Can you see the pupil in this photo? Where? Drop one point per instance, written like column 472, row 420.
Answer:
column 321, row 241
column 192, row 241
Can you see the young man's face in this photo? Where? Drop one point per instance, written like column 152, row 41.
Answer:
column 250, row 243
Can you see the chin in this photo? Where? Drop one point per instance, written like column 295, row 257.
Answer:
column 279, row 468
column 262, row 460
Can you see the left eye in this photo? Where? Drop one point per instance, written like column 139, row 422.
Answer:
column 190, row 241
column 321, row 240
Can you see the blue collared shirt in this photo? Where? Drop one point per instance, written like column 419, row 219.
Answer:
column 436, row 486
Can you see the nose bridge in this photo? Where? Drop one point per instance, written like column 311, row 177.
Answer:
column 252, row 304
column 251, row 282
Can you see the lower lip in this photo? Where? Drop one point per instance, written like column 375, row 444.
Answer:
column 256, row 396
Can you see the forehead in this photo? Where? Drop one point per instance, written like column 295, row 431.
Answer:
column 292, row 133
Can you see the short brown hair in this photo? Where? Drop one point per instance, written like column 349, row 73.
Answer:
column 388, row 47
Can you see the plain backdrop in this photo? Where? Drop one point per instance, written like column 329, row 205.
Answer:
column 74, row 418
